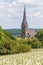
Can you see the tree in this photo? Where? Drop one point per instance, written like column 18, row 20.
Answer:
column 39, row 35
column 34, row 42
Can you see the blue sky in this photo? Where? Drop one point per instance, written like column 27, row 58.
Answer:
column 11, row 13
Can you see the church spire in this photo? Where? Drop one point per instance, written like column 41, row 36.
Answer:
column 24, row 26
column 24, row 16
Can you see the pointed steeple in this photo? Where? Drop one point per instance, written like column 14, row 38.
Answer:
column 24, row 26
column 24, row 16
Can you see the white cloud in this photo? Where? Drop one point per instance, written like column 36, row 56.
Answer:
column 11, row 11
column 14, row 3
column 32, row 2
column 2, row 4
column 41, row 16
column 24, row 1
column 37, row 14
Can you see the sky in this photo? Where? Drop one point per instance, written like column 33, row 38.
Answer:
column 11, row 13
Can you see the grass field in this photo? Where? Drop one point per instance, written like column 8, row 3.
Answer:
column 34, row 57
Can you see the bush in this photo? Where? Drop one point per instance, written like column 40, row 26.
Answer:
column 39, row 35
column 19, row 48
column 34, row 42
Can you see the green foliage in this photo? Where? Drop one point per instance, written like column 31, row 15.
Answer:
column 10, row 44
column 34, row 42
column 9, row 35
column 39, row 35
column 19, row 48
column 22, row 41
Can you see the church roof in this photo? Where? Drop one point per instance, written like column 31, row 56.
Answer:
column 31, row 32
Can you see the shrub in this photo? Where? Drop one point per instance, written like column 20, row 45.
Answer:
column 19, row 48
column 34, row 42
column 39, row 35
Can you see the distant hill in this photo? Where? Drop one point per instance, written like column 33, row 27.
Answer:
column 17, row 32
column 14, row 31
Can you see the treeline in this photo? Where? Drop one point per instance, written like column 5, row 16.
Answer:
column 12, row 45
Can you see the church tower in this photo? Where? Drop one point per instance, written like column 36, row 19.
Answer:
column 24, row 26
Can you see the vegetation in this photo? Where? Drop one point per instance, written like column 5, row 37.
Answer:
column 34, row 42
column 39, row 36
column 11, row 45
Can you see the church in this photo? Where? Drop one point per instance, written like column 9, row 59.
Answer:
column 25, row 31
